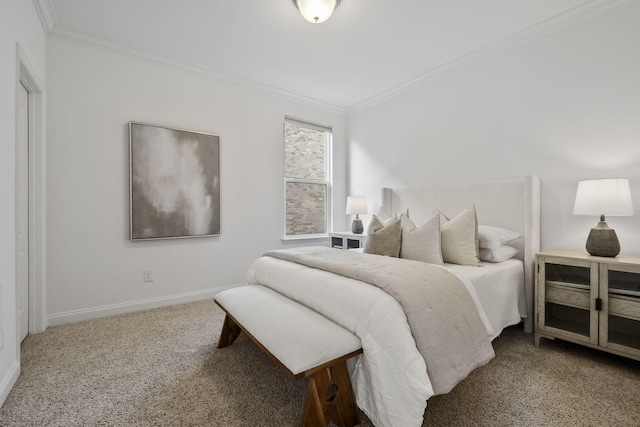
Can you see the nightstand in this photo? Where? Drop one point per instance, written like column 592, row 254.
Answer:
column 588, row 300
column 347, row 240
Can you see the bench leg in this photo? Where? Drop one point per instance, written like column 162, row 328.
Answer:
column 330, row 399
column 230, row 332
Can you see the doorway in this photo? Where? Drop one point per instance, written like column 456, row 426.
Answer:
column 29, row 202
column 22, row 210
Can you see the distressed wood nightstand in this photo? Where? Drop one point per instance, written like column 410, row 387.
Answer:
column 594, row 301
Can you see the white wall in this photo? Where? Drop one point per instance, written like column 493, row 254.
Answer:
column 19, row 26
column 92, row 267
column 565, row 107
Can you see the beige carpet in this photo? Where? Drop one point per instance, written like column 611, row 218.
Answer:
column 161, row 368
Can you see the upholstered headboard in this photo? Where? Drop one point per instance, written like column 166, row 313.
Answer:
column 513, row 204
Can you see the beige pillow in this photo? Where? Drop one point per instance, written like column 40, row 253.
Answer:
column 421, row 243
column 460, row 238
column 383, row 239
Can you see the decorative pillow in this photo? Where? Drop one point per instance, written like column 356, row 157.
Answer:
column 387, row 219
column 421, row 243
column 501, row 253
column 383, row 239
column 383, row 215
column 460, row 238
column 493, row 237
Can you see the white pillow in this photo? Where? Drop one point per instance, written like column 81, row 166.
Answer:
column 421, row 243
column 387, row 219
column 493, row 237
column 382, row 214
column 501, row 253
column 460, row 238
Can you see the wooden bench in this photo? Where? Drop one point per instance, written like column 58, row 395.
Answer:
column 303, row 343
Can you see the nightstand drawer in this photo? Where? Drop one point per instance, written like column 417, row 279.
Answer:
column 562, row 295
column 624, row 307
column 337, row 242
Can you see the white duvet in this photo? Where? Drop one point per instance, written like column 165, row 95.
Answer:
column 390, row 378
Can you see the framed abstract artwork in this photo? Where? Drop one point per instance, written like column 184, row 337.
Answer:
column 174, row 177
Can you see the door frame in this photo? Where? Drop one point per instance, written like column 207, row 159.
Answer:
column 26, row 75
column 22, row 210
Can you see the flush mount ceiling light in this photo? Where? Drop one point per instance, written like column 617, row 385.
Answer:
column 316, row 11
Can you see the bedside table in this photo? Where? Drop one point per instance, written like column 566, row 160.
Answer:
column 589, row 300
column 347, row 240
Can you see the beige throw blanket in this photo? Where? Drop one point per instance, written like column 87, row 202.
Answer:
column 444, row 321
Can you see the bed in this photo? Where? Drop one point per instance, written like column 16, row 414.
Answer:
column 512, row 204
column 392, row 379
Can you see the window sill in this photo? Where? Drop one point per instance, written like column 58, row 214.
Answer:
column 306, row 237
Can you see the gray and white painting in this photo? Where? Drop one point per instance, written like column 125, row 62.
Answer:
column 175, row 182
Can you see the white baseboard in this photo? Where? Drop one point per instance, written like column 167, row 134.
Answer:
column 129, row 307
column 9, row 381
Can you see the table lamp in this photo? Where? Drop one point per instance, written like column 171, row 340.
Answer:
column 602, row 197
column 356, row 205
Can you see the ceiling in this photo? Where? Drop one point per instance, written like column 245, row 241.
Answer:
column 367, row 50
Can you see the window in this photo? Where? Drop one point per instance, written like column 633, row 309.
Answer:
column 307, row 178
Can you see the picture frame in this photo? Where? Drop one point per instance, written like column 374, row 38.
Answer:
column 174, row 177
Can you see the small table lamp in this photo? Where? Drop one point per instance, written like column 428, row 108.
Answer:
column 356, row 205
column 603, row 197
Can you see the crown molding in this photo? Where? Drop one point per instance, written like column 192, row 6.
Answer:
column 205, row 72
column 46, row 13
column 548, row 26
column 49, row 21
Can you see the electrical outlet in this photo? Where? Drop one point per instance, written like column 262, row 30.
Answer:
column 148, row 275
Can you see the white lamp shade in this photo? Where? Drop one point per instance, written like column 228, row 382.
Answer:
column 356, row 205
column 609, row 197
column 316, row 11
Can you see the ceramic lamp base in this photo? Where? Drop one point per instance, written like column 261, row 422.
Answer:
column 603, row 241
column 356, row 226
